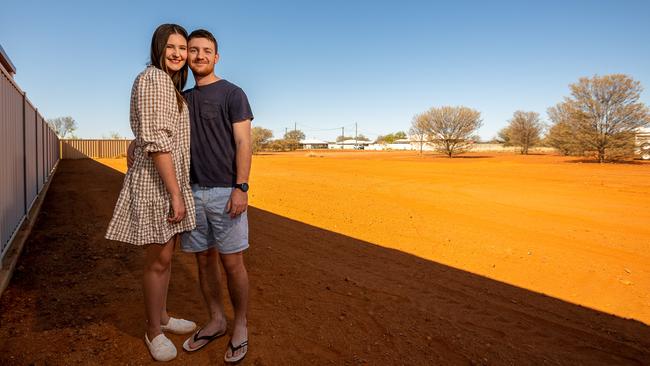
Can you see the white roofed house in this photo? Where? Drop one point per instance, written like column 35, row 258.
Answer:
column 350, row 144
column 313, row 144
column 411, row 143
column 6, row 63
column 642, row 142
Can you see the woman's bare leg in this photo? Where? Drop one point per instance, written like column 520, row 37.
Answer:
column 164, row 317
column 157, row 267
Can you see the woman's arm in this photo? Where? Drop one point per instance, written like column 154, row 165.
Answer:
column 156, row 104
column 165, row 167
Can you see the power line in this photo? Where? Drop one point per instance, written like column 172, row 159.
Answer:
column 314, row 131
column 311, row 128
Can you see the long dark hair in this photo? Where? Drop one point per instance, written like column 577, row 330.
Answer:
column 157, row 57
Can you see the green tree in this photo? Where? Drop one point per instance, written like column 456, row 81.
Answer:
column 391, row 137
column 360, row 137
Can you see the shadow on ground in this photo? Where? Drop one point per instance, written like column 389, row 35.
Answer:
column 617, row 162
column 317, row 297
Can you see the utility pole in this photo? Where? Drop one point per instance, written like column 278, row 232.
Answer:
column 295, row 128
column 285, row 131
column 355, row 135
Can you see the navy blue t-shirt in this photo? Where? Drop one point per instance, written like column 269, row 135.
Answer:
column 213, row 110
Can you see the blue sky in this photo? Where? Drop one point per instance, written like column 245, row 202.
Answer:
column 327, row 64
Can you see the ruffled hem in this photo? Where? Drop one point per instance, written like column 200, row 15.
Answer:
column 142, row 222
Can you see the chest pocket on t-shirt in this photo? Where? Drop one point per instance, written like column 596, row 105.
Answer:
column 211, row 111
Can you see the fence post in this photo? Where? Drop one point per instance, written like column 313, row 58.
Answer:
column 24, row 153
column 36, row 145
column 43, row 149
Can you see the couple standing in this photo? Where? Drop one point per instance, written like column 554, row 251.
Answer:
column 187, row 181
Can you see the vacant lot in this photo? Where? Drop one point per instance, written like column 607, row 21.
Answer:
column 366, row 258
column 576, row 231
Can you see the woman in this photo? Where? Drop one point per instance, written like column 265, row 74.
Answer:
column 156, row 203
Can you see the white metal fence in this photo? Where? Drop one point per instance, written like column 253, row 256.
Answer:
column 29, row 151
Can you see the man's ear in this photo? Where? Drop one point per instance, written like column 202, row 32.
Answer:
column 216, row 58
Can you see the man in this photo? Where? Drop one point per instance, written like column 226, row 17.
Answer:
column 220, row 120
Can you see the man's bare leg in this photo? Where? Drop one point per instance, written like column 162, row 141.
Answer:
column 210, row 281
column 238, row 288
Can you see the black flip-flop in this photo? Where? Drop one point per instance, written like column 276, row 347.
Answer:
column 196, row 338
column 234, row 349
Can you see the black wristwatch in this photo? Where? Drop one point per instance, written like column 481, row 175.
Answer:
column 242, row 186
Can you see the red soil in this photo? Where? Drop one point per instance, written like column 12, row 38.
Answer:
column 365, row 258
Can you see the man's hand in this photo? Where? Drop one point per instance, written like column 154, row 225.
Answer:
column 238, row 203
column 130, row 152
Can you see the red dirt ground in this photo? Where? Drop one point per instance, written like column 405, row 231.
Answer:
column 365, row 258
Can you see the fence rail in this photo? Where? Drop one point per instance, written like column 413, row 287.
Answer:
column 29, row 151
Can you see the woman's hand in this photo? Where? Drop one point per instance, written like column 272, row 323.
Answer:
column 178, row 209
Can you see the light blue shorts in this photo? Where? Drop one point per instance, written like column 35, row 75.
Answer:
column 214, row 227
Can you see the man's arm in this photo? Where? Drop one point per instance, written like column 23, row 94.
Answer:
column 243, row 155
column 130, row 154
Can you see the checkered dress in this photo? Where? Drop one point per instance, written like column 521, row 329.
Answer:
column 141, row 212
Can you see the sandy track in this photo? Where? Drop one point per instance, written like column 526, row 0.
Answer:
column 329, row 296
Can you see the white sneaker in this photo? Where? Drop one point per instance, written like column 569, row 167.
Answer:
column 161, row 348
column 178, row 326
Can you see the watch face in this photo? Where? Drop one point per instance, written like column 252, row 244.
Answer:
column 244, row 187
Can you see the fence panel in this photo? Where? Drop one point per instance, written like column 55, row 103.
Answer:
column 39, row 153
column 29, row 150
column 11, row 167
column 31, row 175
column 51, row 150
column 83, row 149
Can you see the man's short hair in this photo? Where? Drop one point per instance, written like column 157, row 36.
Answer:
column 202, row 33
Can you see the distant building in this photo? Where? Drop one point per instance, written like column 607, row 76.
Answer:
column 313, row 144
column 350, row 144
column 642, row 143
column 411, row 143
column 6, row 63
